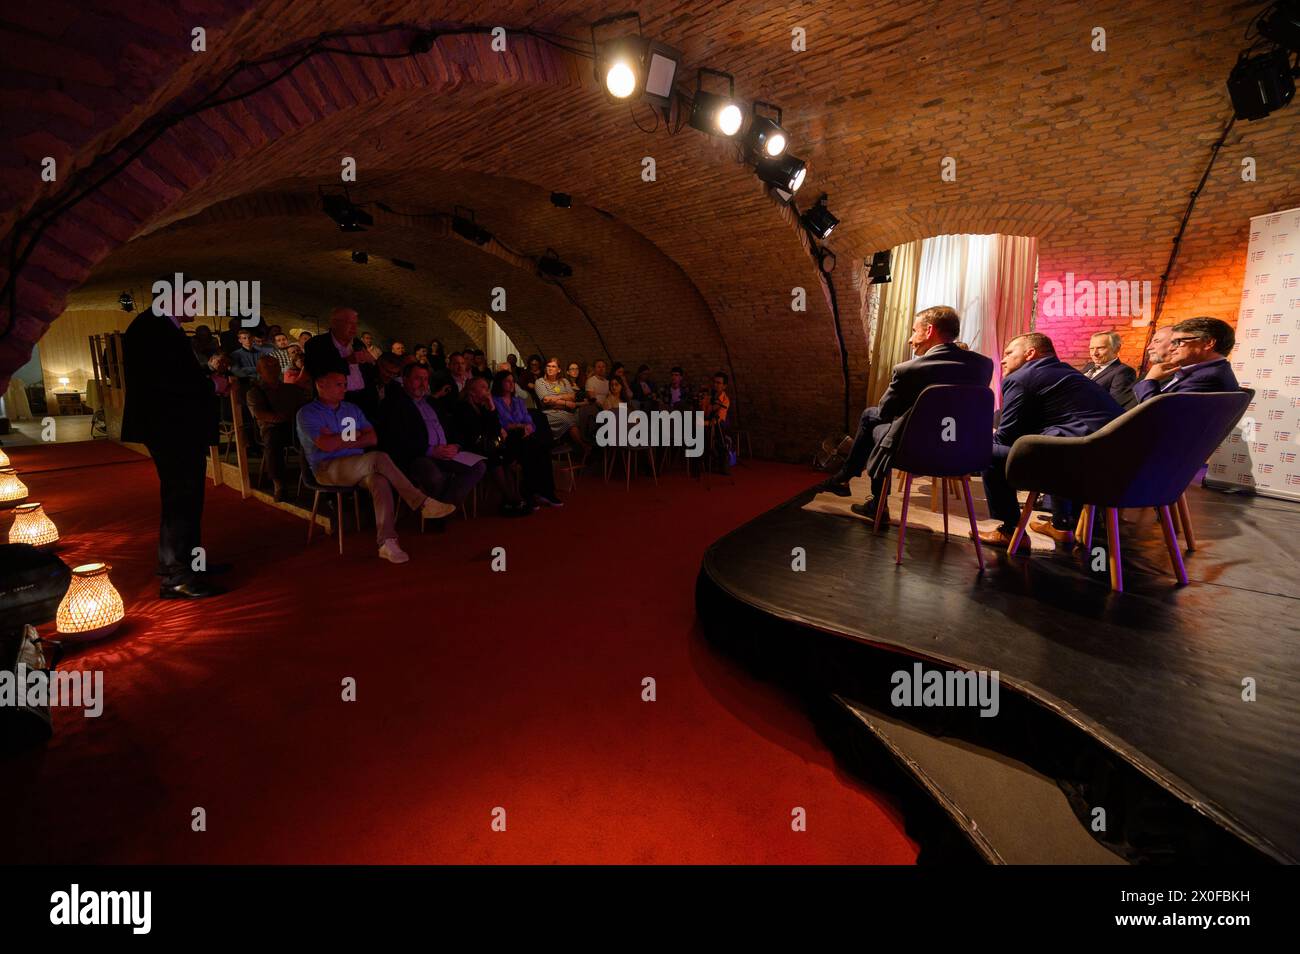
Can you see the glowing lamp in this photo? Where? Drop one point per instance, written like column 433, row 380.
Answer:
column 4, row 458
column 12, row 490
column 91, row 608
column 63, row 382
column 32, row 526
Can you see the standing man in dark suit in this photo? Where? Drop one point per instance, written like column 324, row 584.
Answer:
column 1041, row 394
column 171, row 408
column 938, row 361
column 341, row 350
column 1107, row 370
column 1198, row 360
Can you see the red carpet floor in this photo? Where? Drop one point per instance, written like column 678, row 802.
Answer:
column 476, row 690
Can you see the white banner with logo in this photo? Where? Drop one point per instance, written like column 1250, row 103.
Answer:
column 1263, row 453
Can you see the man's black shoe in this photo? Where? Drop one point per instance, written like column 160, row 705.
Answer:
column 868, row 509
column 193, row 590
column 832, row 486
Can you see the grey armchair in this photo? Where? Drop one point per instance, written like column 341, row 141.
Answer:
column 1146, row 457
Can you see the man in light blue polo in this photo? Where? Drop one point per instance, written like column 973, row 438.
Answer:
column 335, row 434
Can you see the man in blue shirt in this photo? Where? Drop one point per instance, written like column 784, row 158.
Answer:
column 334, row 434
column 1041, row 394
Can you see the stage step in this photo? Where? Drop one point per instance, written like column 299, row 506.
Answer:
column 1010, row 813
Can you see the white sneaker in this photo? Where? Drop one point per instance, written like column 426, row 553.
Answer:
column 393, row 553
column 436, row 509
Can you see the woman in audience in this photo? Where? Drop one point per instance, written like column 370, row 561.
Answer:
column 616, row 396
column 296, row 373
column 422, row 356
column 619, row 373
column 437, row 356
column 524, row 442
column 556, row 397
column 575, row 378
column 479, row 428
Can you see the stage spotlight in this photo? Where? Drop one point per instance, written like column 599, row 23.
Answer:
column 350, row 218
column 714, row 113
column 550, row 264
column 765, row 138
column 785, row 172
column 619, row 66
column 1282, row 24
column 466, row 227
column 360, row 258
column 661, row 62
column 561, row 200
column 818, row 219
column 126, row 301
column 878, row 271
column 1258, row 85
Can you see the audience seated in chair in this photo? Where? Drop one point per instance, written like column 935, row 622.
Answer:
column 1196, row 359
column 1107, row 370
column 938, row 361
column 1041, row 394
column 500, row 427
column 676, row 394
column 274, row 406
column 422, row 442
column 556, row 397
column 334, row 434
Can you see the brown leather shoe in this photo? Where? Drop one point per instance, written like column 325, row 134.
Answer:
column 996, row 538
column 1044, row 526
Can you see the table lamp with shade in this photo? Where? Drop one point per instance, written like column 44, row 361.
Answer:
column 12, row 490
column 32, row 526
column 91, row 608
column 63, row 382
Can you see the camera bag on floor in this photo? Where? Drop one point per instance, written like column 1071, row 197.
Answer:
column 32, row 582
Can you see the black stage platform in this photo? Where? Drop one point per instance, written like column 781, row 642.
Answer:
column 1129, row 700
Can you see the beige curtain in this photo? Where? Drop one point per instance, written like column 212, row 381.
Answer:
column 894, row 318
column 1011, row 295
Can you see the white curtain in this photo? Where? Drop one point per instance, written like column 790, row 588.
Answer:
column 498, row 344
column 989, row 279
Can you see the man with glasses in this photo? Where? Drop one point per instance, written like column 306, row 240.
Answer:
column 1198, row 360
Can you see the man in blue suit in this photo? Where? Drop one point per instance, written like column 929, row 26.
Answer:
column 1198, row 360
column 938, row 361
column 1041, row 394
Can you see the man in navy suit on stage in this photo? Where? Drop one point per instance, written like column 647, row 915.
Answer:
column 1108, row 370
column 1198, row 360
column 1041, row 394
column 938, row 361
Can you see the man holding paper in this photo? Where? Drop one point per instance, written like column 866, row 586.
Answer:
column 422, row 444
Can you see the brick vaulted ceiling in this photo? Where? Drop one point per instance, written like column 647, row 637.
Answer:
column 1094, row 152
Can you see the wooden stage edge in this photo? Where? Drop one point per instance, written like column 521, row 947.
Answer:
column 1152, row 676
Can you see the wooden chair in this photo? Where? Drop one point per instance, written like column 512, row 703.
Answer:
column 339, row 493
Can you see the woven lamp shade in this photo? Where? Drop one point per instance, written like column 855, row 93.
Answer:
column 91, row 608
column 12, row 490
column 4, row 458
column 32, row 526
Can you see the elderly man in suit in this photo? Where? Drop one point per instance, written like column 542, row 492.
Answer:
column 171, row 408
column 1197, row 360
column 342, row 351
column 938, row 361
column 1107, row 370
column 1041, row 394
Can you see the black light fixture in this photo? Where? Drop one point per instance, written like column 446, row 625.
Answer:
column 630, row 66
column 350, row 217
column 466, row 227
column 784, row 172
column 766, row 139
column 878, row 270
column 1258, row 85
column 561, row 200
column 1281, row 24
column 126, row 301
column 550, row 264
column 360, row 258
column 818, row 219
column 714, row 113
